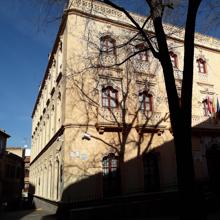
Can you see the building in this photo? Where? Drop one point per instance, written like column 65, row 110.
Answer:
column 19, row 151
column 3, row 140
column 11, row 174
column 23, row 153
column 100, row 130
column 26, row 170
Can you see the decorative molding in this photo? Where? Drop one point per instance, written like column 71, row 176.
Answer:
column 104, row 11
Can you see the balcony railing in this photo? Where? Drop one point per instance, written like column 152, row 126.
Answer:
column 107, row 60
column 106, row 115
column 141, row 66
column 149, row 118
column 203, row 77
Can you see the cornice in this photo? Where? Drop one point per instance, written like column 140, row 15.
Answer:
column 99, row 9
column 56, row 43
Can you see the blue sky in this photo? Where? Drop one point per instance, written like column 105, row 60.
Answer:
column 25, row 45
column 26, row 40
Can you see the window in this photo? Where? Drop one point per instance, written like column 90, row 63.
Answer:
column 26, row 186
column 7, row 170
column 179, row 99
column 61, row 173
column 109, row 97
column 173, row 58
column 145, row 100
column 151, row 172
column 111, row 175
column 110, row 165
column 201, row 66
column 207, row 107
column 107, row 45
column 18, row 172
column 11, row 171
column 26, row 172
column 143, row 55
column 1, row 145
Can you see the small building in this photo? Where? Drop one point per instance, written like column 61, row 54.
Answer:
column 19, row 151
column 26, row 170
column 23, row 153
column 3, row 140
column 11, row 174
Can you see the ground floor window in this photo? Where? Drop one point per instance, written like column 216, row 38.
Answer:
column 151, row 172
column 111, row 174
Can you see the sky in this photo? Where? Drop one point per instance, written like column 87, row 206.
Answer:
column 25, row 44
column 26, row 39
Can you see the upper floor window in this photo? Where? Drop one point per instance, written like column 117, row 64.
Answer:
column 173, row 58
column 201, row 66
column 107, row 45
column 109, row 97
column 146, row 101
column 207, row 107
column 2, row 145
column 143, row 54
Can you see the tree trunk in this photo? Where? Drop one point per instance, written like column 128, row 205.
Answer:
column 181, row 117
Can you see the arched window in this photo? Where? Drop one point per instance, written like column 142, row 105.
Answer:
column 110, row 165
column 108, row 45
column 146, row 101
column 173, row 58
column 201, row 65
column 143, row 55
column 109, row 97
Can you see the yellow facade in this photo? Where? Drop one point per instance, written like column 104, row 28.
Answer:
column 76, row 125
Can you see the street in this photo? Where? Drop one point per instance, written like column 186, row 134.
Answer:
column 38, row 214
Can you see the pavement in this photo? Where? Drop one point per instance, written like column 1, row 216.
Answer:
column 40, row 214
column 32, row 214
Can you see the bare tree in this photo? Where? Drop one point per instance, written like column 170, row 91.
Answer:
column 180, row 115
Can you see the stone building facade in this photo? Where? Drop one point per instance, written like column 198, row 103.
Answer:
column 102, row 129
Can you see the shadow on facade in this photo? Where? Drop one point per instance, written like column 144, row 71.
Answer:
column 140, row 188
column 146, row 185
column 29, row 202
column 208, row 133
